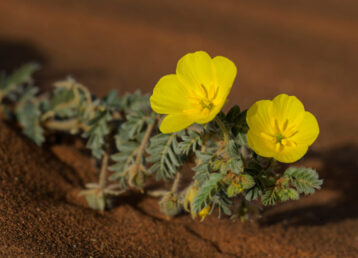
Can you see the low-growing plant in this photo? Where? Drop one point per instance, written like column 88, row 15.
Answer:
column 233, row 156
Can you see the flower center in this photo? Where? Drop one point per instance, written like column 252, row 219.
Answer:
column 206, row 100
column 279, row 138
column 284, row 134
column 205, row 103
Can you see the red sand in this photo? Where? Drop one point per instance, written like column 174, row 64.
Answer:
column 309, row 50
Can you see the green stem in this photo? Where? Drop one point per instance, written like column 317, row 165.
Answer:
column 175, row 185
column 243, row 151
column 137, row 165
column 103, row 173
column 223, row 129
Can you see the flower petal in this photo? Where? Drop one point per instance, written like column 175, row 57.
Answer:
column 288, row 108
column 308, row 130
column 260, row 117
column 169, row 96
column 196, row 71
column 260, row 145
column 291, row 154
column 225, row 72
column 206, row 116
column 174, row 123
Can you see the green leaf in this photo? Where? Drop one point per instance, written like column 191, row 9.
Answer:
column 233, row 115
column 305, row 180
column 95, row 200
column 240, row 125
column 134, row 103
column 21, row 75
column 221, row 201
column 124, row 159
column 253, row 193
column 246, row 181
column 133, row 126
column 241, row 139
column 165, row 157
column 190, row 142
column 207, row 191
column 241, row 183
column 270, row 197
column 111, row 99
column 98, row 131
column 28, row 114
column 233, row 190
column 288, row 194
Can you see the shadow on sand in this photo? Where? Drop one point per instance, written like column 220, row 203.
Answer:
column 340, row 173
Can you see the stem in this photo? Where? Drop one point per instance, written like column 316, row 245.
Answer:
column 103, row 173
column 223, row 129
column 139, row 155
column 143, row 144
column 65, row 125
column 176, row 183
column 244, row 155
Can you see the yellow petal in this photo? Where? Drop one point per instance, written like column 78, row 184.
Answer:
column 260, row 117
column 307, row 131
column 288, row 108
column 206, row 116
column 204, row 212
column 175, row 122
column 196, row 71
column 225, row 72
column 260, row 145
column 291, row 154
column 169, row 96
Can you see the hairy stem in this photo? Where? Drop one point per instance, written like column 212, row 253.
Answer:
column 244, row 155
column 103, row 173
column 143, row 144
column 140, row 152
column 223, row 129
column 176, row 183
column 66, row 125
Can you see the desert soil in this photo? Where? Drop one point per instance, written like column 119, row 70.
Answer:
column 306, row 48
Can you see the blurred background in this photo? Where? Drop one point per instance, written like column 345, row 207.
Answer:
column 305, row 48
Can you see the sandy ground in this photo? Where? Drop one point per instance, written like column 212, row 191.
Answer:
column 306, row 48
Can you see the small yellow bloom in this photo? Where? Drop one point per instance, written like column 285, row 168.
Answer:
column 188, row 201
column 196, row 93
column 204, row 212
column 281, row 128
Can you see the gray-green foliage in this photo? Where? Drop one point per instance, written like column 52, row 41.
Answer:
column 28, row 114
column 294, row 181
column 190, row 142
column 18, row 88
column 98, row 131
column 305, row 180
column 129, row 166
column 207, row 191
column 123, row 130
column 164, row 154
column 19, row 77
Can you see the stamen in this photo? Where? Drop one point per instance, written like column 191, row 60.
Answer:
column 283, row 135
column 205, row 90
column 267, row 136
column 209, row 106
column 279, row 138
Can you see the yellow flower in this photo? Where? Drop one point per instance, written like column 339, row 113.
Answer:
column 191, row 193
column 281, row 128
column 204, row 212
column 196, row 93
